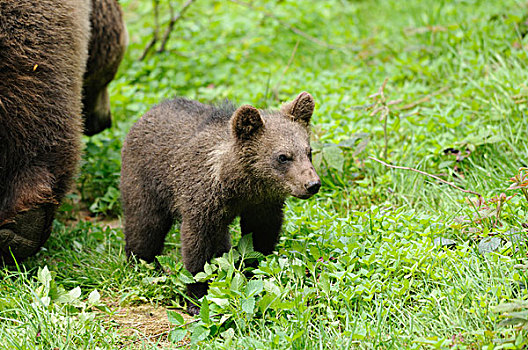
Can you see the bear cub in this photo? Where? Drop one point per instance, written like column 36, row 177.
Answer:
column 206, row 165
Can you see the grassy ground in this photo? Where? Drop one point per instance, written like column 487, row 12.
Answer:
column 357, row 265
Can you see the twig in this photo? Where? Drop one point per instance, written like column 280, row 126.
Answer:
column 365, row 106
column 385, row 115
column 192, row 321
column 410, row 114
column 427, row 174
column 381, row 105
column 148, row 338
column 296, row 30
column 172, row 22
column 502, row 199
column 155, row 36
column 276, row 88
column 381, row 90
column 423, row 99
column 421, row 30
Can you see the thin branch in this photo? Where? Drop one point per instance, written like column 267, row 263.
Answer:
column 385, row 115
column 423, row 99
column 148, row 338
column 381, row 105
column 381, row 90
column 290, row 61
column 421, row 30
column 172, row 22
column 365, row 106
column 296, row 30
column 155, row 36
column 427, row 174
column 394, row 102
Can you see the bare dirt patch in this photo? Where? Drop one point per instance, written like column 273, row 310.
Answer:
column 142, row 325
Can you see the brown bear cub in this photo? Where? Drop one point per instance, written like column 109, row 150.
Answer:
column 207, row 165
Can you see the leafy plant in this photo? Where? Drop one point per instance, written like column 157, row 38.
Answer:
column 520, row 182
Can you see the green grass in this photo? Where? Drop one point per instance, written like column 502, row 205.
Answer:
column 357, row 266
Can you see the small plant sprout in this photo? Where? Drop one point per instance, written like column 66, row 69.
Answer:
column 520, row 181
column 382, row 107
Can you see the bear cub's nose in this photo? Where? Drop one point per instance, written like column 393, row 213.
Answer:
column 313, row 186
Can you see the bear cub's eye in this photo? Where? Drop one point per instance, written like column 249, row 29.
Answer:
column 284, row 158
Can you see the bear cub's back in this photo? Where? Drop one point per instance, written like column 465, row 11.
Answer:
column 173, row 140
column 185, row 118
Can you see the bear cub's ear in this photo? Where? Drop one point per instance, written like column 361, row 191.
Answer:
column 246, row 122
column 300, row 109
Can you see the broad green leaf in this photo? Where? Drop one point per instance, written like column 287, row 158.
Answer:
column 352, row 142
column 223, row 263
column 199, row 333
column 297, row 335
column 228, row 333
column 185, row 276
column 489, row 244
column 201, row 277
column 209, row 268
column 237, row 282
column 317, row 159
column 334, row 157
column 204, row 311
column 254, row 255
column 361, row 146
column 94, row 297
column 509, row 307
column 248, row 305
column 272, row 288
column 44, row 276
column 177, row 335
column 75, row 293
column 175, row 318
column 168, row 263
column 325, row 283
column 254, row 287
column 222, row 302
column 245, row 245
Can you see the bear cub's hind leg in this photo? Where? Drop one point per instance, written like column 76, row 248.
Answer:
column 146, row 225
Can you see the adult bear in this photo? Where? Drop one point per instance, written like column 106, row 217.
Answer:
column 56, row 60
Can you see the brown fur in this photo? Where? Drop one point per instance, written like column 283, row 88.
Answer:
column 43, row 56
column 106, row 49
column 207, row 165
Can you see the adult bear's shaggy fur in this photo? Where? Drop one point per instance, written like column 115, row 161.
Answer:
column 44, row 47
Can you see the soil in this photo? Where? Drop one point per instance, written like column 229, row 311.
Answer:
column 145, row 325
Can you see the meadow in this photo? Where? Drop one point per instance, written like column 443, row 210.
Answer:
column 382, row 257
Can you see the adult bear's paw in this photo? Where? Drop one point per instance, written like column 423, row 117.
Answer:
column 27, row 232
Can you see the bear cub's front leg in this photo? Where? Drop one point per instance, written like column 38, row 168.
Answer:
column 198, row 247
